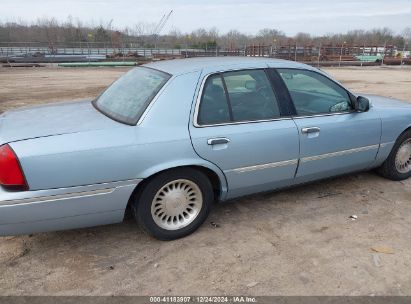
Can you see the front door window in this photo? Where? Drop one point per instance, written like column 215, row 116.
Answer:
column 313, row 93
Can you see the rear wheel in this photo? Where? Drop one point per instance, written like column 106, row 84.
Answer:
column 398, row 164
column 174, row 203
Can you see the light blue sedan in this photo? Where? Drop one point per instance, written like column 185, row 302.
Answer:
column 169, row 138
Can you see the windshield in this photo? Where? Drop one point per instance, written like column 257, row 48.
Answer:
column 128, row 97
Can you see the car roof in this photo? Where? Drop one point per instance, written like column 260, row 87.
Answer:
column 181, row 66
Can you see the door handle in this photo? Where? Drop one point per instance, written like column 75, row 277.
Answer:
column 310, row 130
column 218, row 141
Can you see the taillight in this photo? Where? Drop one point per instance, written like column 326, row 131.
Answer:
column 11, row 174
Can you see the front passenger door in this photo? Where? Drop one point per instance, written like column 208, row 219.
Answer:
column 334, row 139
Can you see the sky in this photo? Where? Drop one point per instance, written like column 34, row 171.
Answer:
column 316, row 17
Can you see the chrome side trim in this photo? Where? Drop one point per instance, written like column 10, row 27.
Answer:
column 21, row 197
column 241, row 122
column 338, row 153
column 386, row 144
column 57, row 197
column 264, row 166
column 305, row 159
column 323, row 114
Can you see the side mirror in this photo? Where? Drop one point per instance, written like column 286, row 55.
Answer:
column 362, row 104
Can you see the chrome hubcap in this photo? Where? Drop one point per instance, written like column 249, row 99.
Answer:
column 177, row 204
column 403, row 157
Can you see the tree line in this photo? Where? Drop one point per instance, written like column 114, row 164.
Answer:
column 72, row 32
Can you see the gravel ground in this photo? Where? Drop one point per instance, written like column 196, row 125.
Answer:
column 299, row 241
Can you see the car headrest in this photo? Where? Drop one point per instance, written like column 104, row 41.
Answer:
column 214, row 91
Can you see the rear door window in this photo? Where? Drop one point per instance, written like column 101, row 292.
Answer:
column 238, row 96
column 214, row 105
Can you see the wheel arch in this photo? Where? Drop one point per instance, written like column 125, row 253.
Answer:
column 386, row 168
column 388, row 142
column 215, row 175
column 407, row 129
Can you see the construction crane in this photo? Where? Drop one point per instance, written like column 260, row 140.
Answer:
column 159, row 27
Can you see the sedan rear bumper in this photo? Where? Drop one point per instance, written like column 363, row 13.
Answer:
column 67, row 208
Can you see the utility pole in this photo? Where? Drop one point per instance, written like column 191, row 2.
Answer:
column 188, row 37
column 89, row 37
column 363, row 54
column 339, row 64
column 319, row 55
column 383, row 55
column 273, row 47
column 402, row 54
column 295, row 52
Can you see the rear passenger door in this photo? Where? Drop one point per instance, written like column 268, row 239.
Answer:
column 240, row 125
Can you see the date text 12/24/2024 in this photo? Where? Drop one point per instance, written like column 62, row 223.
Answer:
column 203, row 299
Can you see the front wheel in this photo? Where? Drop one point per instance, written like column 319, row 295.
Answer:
column 174, row 203
column 398, row 164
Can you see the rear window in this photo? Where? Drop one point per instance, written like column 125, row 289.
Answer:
column 128, row 97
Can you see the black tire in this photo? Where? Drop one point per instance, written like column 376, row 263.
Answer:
column 141, row 206
column 388, row 168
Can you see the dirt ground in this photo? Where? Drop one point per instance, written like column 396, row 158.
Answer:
column 299, row 241
column 25, row 86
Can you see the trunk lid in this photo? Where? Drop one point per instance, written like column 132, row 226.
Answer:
column 52, row 119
